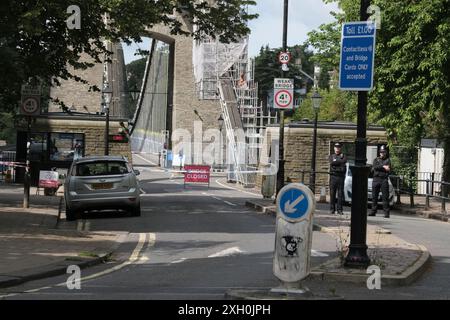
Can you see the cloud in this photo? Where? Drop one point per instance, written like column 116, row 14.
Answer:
column 304, row 16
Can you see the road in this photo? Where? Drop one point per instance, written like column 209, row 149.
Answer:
column 191, row 242
column 198, row 242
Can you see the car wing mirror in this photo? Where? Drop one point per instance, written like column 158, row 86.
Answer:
column 136, row 172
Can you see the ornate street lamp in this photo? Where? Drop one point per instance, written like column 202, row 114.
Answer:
column 316, row 100
column 106, row 100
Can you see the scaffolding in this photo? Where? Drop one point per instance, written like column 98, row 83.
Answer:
column 224, row 72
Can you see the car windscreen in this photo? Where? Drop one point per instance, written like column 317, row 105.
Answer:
column 101, row 168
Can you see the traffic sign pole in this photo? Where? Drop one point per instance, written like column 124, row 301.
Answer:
column 27, row 182
column 357, row 254
column 280, row 173
column 295, row 207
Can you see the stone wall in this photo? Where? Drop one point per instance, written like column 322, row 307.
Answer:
column 298, row 150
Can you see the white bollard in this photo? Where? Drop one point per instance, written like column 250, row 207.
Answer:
column 291, row 264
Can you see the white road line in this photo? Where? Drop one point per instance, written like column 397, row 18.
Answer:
column 226, row 252
column 315, row 253
column 217, row 198
column 228, row 187
column 134, row 256
column 132, row 259
column 146, row 160
column 178, row 261
column 143, row 191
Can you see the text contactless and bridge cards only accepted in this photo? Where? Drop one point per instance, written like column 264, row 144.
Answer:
column 357, row 56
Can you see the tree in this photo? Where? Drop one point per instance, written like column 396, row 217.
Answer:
column 36, row 43
column 267, row 68
column 412, row 62
column 336, row 105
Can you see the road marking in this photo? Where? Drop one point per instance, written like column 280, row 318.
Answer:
column 315, row 253
column 83, row 225
column 146, row 160
column 178, row 261
column 132, row 259
column 143, row 191
column 228, row 187
column 217, row 198
column 226, row 252
column 150, row 243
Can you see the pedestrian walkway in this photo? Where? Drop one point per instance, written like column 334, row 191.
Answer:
column 33, row 244
column 417, row 206
column 400, row 262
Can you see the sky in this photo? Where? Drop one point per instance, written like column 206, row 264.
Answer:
column 304, row 16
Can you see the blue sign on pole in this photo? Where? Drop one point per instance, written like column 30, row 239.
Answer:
column 294, row 204
column 357, row 56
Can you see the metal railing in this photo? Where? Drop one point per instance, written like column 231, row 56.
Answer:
column 433, row 189
column 7, row 172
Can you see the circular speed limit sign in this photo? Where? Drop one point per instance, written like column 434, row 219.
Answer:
column 283, row 99
column 30, row 105
column 284, row 57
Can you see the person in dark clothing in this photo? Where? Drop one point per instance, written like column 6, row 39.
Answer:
column 381, row 169
column 338, row 169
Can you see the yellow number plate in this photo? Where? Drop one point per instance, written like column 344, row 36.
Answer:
column 98, row 186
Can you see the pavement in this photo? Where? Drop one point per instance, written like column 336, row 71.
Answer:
column 400, row 262
column 36, row 242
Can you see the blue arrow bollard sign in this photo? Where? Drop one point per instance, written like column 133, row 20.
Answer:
column 357, row 56
column 295, row 202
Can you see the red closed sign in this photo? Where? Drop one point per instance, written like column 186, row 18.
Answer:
column 197, row 173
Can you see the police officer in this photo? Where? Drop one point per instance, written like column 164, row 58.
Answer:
column 338, row 169
column 381, row 169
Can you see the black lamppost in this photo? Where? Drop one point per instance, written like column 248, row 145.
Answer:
column 357, row 250
column 316, row 100
column 220, row 121
column 106, row 97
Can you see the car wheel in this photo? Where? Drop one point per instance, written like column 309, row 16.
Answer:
column 71, row 215
column 136, row 211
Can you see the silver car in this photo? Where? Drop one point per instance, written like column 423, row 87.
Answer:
column 101, row 182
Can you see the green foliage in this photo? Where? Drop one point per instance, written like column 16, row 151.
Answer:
column 36, row 44
column 267, row 68
column 411, row 97
column 7, row 129
column 336, row 105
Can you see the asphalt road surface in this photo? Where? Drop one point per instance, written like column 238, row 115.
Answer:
column 196, row 242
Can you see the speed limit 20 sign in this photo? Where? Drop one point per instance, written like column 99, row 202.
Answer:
column 284, row 57
column 283, row 93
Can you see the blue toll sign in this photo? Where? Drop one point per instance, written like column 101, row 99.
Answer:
column 357, row 56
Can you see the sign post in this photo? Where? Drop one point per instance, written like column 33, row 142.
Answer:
column 291, row 263
column 29, row 107
column 356, row 74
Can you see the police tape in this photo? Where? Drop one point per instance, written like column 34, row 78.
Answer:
column 13, row 164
